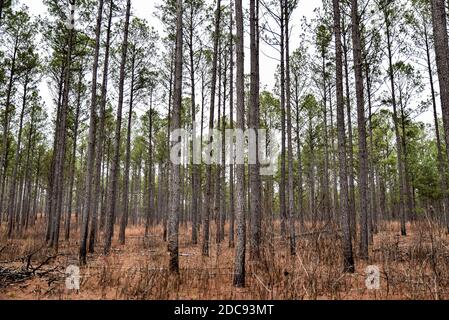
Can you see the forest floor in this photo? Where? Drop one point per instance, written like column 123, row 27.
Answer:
column 412, row 267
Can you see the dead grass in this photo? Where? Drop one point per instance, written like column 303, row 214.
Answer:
column 414, row 267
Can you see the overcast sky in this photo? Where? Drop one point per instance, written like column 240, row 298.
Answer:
column 145, row 9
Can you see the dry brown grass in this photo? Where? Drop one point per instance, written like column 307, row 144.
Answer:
column 415, row 267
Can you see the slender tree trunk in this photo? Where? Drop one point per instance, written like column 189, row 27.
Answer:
column 253, row 124
column 223, row 207
column 231, row 117
column 352, row 210
column 209, row 191
column 442, row 57
column 101, row 137
column 326, row 192
column 240, row 252
column 91, row 144
column 125, row 199
column 73, row 159
column 363, row 153
column 348, row 259
column 301, row 212
column 218, row 168
column 195, row 167
column 12, row 188
column 403, row 214
column 441, row 164
column 173, row 219
column 150, row 210
column 115, row 165
column 60, row 150
column 282, row 183
column 291, row 191
column 6, row 122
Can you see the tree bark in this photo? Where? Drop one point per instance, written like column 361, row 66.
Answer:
column 209, row 191
column 101, row 146
column 91, row 143
column 253, row 124
column 442, row 56
column 125, row 199
column 363, row 153
column 115, row 165
column 240, row 252
column 291, row 190
column 173, row 219
column 348, row 259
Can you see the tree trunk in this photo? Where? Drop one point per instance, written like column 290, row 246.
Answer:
column 6, row 122
column 101, row 137
column 363, row 153
column 403, row 214
column 348, row 259
column 115, row 165
column 73, row 159
column 253, row 124
column 442, row 56
column 282, row 183
column 173, row 219
column 12, row 188
column 91, row 143
column 125, row 199
column 209, row 191
column 351, row 210
column 442, row 166
column 240, row 252
column 231, row 117
column 60, row 148
column 291, row 191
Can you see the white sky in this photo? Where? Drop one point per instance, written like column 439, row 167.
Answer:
column 146, row 8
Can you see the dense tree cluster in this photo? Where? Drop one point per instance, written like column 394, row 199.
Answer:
column 362, row 105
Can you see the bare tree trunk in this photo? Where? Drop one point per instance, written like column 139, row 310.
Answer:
column 363, row 153
column 150, row 210
column 291, row 191
column 326, row 213
column 231, row 117
column 125, row 199
column 442, row 166
column 101, row 137
column 91, row 144
column 400, row 152
column 240, row 252
column 352, row 210
column 209, row 191
column 442, row 56
column 73, row 160
column 218, row 168
column 6, row 122
column 12, row 187
column 173, row 219
column 115, row 165
column 301, row 212
column 195, row 168
column 348, row 259
column 253, row 124
column 60, row 138
column 223, row 207
column 282, row 183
